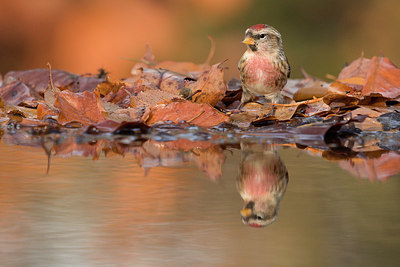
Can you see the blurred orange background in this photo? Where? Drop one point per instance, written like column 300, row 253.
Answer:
column 83, row 36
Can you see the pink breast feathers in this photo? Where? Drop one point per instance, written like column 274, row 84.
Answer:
column 261, row 71
column 259, row 181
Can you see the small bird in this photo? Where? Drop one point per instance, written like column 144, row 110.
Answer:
column 262, row 182
column 264, row 68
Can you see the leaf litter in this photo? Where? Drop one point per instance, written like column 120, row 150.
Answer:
column 190, row 112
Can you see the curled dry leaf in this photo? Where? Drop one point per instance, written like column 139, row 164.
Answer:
column 316, row 108
column 15, row 93
column 210, row 87
column 109, row 86
column 38, row 79
column 304, row 89
column 202, row 115
column 44, row 111
column 151, row 97
column 383, row 78
column 160, row 79
column 84, row 108
column 376, row 76
column 357, row 69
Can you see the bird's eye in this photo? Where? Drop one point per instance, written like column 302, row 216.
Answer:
column 262, row 35
column 259, row 217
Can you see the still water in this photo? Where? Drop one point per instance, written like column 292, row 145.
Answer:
column 184, row 208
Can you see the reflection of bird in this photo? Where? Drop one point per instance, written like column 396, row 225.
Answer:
column 261, row 183
column 264, row 68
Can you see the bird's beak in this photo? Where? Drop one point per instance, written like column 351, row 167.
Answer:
column 245, row 213
column 249, row 41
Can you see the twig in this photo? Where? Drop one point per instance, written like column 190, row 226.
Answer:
column 51, row 79
column 212, row 51
column 306, row 102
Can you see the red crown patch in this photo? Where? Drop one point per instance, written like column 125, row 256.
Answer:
column 258, row 27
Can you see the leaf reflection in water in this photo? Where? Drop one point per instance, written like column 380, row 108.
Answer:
column 374, row 156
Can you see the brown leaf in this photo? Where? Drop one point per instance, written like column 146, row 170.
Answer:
column 316, row 108
column 284, row 113
column 304, row 89
column 15, row 93
column 243, row 119
column 84, row 108
column 151, row 97
column 108, row 86
column 383, row 77
column 357, row 69
column 202, row 115
column 210, row 87
column 38, row 79
column 44, row 111
column 338, row 87
column 126, row 114
column 371, row 112
column 159, row 79
column 340, row 95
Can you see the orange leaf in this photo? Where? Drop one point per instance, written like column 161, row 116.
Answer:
column 383, row 78
column 211, row 86
column 83, row 107
column 44, row 110
column 108, row 86
column 357, row 68
column 202, row 115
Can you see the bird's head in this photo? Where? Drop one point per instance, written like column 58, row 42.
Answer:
column 260, row 213
column 263, row 38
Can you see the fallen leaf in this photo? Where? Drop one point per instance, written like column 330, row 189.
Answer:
column 38, row 79
column 210, row 87
column 160, row 79
column 305, row 89
column 383, row 78
column 357, row 69
column 84, row 108
column 316, row 108
column 151, row 97
column 202, row 115
column 364, row 110
column 44, row 111
column 108, row 86
column 15, row 93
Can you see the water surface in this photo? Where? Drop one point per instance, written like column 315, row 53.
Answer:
column 179, row 207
